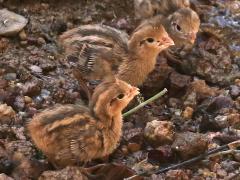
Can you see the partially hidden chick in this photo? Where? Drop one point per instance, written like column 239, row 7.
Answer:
column 148, row 8
column 98, row 51
column 70, row 134
column 182, row 25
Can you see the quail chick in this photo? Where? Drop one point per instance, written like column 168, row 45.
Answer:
column 70, row 134
column 148, row 8
column 98, row 51
column 182, row 25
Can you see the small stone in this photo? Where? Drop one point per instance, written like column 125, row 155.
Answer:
column 124, row 150
column 159, row 132
column 19, row 103
column 221, row 121
column 27, row 99
column 36, row 69
column 23, row 43
column 174, row 102
column 41, row 41
column 10, row 76
column 237, row 82
column 189, row 144
column 187, row 113
column 234, row 91
column 7, row 114
column 23, row 35
column 12, row 23
column 45, row 94
column 134, row 147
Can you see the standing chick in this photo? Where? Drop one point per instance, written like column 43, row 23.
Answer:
column 98, row 51
column 69, row 134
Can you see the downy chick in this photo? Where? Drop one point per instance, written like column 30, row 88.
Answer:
column 70, row 134
column 98, row 51
column 149, row 8
column 182, row 25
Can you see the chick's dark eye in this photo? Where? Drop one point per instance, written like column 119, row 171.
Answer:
column 150, row 40
column 120, row 96
column 177, row 27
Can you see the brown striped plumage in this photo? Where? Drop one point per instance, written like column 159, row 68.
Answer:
column 69, row 134
column 98, row 51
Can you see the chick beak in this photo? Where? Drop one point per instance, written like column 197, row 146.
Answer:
column 192, row 37
column 134, row 91
column 167, row 41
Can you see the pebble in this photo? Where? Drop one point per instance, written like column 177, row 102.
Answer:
column 27, row 99
column 41, row 41
column 134, row 147
column 124, row 149
column 36, row 69
column 187, row 113
column 23, row 35
column 234, row 90
column 10, row 76
column 23, row 43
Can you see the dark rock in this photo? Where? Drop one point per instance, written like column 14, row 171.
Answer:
column 162, row 154
column 218, row 103
column 178, row 83
column 188, row 144
column 158, row 78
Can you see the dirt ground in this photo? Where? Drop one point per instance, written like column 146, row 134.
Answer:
column 201, row 110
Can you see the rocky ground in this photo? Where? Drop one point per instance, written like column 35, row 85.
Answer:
column 200, row 112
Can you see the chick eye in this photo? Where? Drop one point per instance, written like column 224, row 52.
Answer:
column 177, row 27
column 120, row 96
column 150, row 40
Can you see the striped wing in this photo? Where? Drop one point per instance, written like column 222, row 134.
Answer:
column 86, row 44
